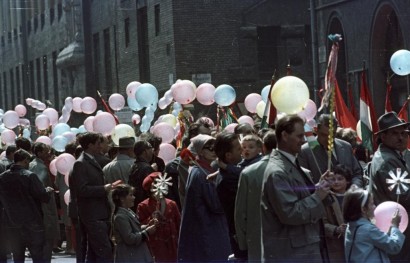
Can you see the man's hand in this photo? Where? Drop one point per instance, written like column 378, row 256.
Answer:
column 49, row 189
column 324, row 185
column 396, row 219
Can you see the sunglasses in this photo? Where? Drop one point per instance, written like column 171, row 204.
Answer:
column 210, row 148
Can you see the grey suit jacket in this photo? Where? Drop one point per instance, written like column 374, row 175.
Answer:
column 290, row 213
column 128, row 236
column 247, row 209
column 344, row 154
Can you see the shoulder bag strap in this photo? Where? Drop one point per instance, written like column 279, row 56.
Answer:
column 351, row 247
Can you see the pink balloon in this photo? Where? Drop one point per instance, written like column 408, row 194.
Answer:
column 67, row 197
column 136, row 119
column 24, row 122
column 42, row 122
column 246, row 119
column 206, row 120
column 88, row 105
column 77, row 104
column 65, row 163
column 384, row 213
column 167, row 152
column 41, row 106
column 165, row 131
column 21, row 110
column 104, row 123
column 11, row 119
column 231, row 127
column 44, row 139
column 52, row 167
column 309, row 111
column 131, row 88
column 88, row 123
column 116, row 101
column 184, row 91
column 52, row 115
column 205, row 94
column 68, row 103
column 29, row 101
column 8, row 137
column 251, row 101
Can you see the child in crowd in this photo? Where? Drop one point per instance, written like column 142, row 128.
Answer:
column 364, row 242
column 251, row 153
column 335, row 226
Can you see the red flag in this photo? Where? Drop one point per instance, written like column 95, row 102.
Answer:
column 387, row 104
column 403, row 111
column 343, row 114
column 351, row 101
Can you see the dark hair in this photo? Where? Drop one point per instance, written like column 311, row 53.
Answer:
column 324, row 119
column 39, row 147
column 78, row 151
column 223, row 144
column 155, row 142
column 360, row 153
column 345, row 172
column 11, row 149
column 287, row 124
column 71, row 148
column 263, row 131
column 244, row 128
column 269, row 140
column 21, row 155
column 89, row 138
column 23, row 143
column 120, row 191
column 352, row 204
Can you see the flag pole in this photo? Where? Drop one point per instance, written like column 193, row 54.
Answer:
column 264, row 122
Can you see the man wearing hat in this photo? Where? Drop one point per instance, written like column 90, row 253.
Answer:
column 388, row 159
column 120, row 167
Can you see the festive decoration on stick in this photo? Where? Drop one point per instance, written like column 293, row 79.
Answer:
column 161, row 185
column 398, row 180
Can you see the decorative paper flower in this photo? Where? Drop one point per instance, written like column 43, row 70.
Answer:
column 398, row 180
column 161, row 185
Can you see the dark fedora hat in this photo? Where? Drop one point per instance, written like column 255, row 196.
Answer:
column 126, row 142
column 388, row 121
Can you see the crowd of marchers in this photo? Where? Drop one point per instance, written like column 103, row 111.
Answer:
column 255, row 194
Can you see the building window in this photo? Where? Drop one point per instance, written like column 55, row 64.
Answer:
column 45, row 77
column 127, row 31
column 5, row 89
column 19, row 97
column 9, row 37
column 15, row 34
column 107, row 60
column 29, row 27
column 59, row 11
column 39, row 86
column 52, row 14
column 2, row 41
column 157, row 20
column 31, row 80
column 55, row 80
column 43, row 20
column 12, row 89
column 97, row 58
column 35, row 23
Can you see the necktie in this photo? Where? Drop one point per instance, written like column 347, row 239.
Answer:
column 308, row 182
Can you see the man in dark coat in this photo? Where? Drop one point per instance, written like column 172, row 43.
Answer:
column 141, row 169
column 388, row 160
column 21, row 194
column 93, row 207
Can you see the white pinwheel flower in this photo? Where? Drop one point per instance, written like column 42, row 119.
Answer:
column 398, row 180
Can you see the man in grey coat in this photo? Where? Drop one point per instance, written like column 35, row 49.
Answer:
column 120, row 167
column 291, row 205
column 38, row 166
column 247, row 205
column 316, row 159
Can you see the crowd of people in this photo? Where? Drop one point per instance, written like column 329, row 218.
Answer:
column 255, row 194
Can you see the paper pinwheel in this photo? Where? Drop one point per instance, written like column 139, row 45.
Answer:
column 398, row 180
column 161, row 185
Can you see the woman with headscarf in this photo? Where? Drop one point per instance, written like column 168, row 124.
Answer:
column 204, row 231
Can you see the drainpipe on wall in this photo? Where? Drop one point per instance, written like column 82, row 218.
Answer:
column 315, row 64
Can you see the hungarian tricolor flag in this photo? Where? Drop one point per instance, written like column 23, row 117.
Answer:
column 367, row 115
